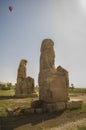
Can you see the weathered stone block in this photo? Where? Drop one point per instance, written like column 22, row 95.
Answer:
column 26, row 111
column 38, row 110
column 53, row 82
column 74, row 104
column 61, row 106
column 37, row 104
column 24, row 85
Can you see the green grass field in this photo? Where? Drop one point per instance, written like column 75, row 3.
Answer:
column 8, row 100
column 11, row 92
column 77, row 90
column 7, row 93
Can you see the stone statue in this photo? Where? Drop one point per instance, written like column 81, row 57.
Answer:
column 25, row 85
column 22, row 69
column 47, row 54
column 53, row 82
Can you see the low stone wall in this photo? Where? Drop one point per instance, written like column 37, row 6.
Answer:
column 57, row 106
column 40, row 107
column 48, row 107
column 51, row 107
column 74, row 104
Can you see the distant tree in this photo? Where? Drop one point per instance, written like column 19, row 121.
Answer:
column 3, row 87
column 72, row 86
column 9, row 84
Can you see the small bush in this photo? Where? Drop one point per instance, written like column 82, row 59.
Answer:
column 3, row 87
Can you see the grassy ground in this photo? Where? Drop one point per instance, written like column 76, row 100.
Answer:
column 8, row 100
column 12, row 91
column 82, row 128
column 77, row 90
column 7, row 93
column 36, row 122
column 12, row 103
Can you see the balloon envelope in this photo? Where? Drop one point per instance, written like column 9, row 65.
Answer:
column 10, row 8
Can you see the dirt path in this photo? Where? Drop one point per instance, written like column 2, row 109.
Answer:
column 71, row 125
column 52, row 122
column 81, row 96
column 44, row 121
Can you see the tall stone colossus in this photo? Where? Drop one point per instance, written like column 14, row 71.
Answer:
column 25, row 85
column 53, row 82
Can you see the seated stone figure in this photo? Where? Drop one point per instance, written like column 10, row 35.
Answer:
column 24, row 85
column 53, row 82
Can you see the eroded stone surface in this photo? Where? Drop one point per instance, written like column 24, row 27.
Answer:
column 53, row 82
column 25, row 85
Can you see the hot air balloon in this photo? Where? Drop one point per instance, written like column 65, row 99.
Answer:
column 10, row 8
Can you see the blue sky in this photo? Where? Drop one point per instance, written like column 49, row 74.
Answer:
column 31, row 21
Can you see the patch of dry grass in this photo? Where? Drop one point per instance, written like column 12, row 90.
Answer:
column 12, row 103
column 5, row 93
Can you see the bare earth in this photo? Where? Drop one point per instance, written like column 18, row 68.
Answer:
column 78, row 96
column 65, row 121
column 61, row 122
column 47, row 121
column 71, row 125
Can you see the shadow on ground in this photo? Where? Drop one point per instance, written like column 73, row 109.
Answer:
column 14, row 97
column 10, row 123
